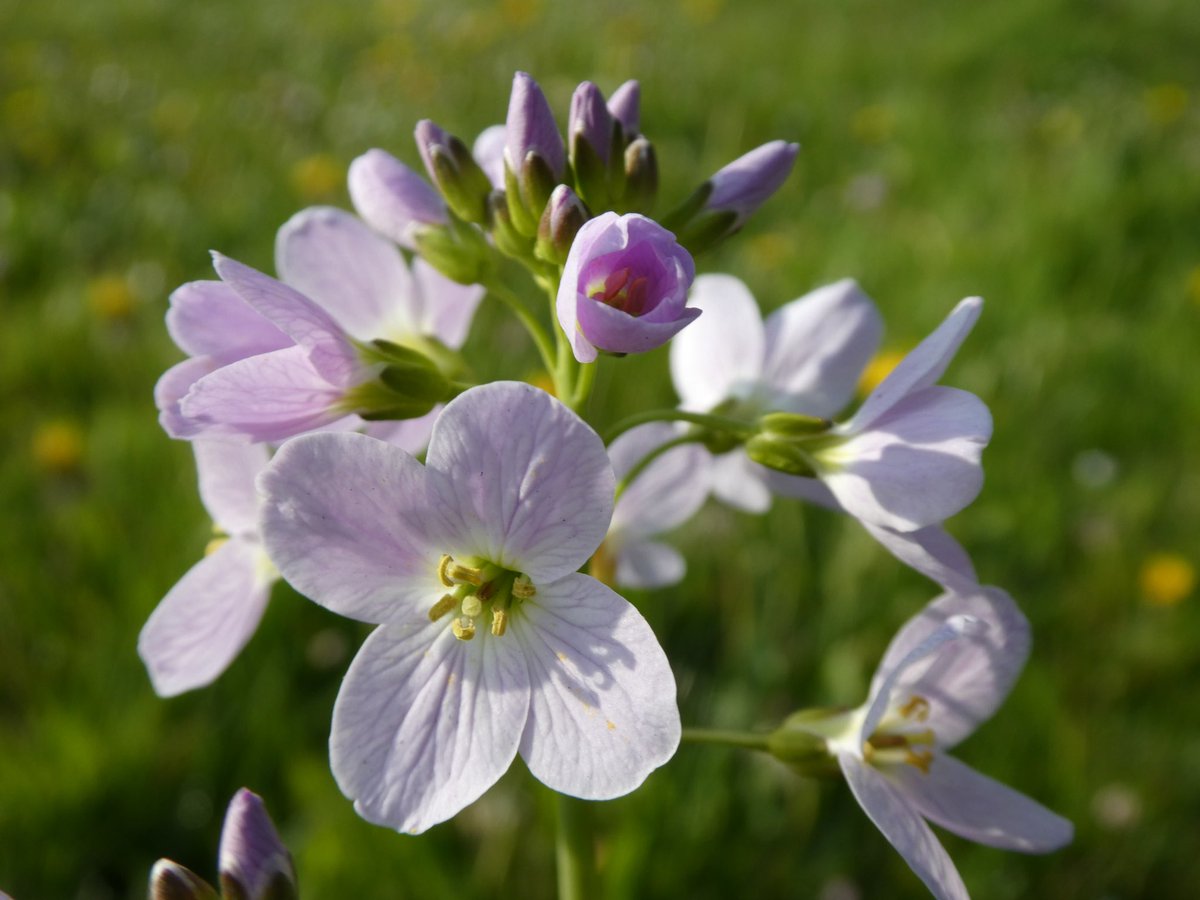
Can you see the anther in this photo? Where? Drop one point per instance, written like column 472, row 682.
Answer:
column 471, row 606
column 523, row 588
column 443, row 569
column 499, row 621
column 451, row 573
column 916, row 708
column 920, row 760
column 442, row 607
column 463, row 628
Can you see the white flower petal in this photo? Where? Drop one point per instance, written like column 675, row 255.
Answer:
column 915, row 466
column 669, row 491
column 356, row 275
column 205, row 619
column 969, row 679
column 602, row 713
column 648, row 564
column 349, row 522
column 446, row 307
column 425, row 723
column 817, row 347
column 720, row 354
column 922, row 367
column 528, row 474
column 980, row 809
column 904, row 829
column 227, row 472
column 739, row 482
column 932, row 552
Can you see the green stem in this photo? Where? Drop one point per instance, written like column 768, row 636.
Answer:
column 583, row 387
column 742, row 739
column 527, row 318
column 707, row 420
column 573, row 849
column 642, row 464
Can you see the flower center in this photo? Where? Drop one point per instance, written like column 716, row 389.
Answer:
column 895, row 740
column 476, row 587
column 622, row 290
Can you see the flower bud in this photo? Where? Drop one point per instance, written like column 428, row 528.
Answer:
column 561, row 221
column 171, row 881
column 453, row 169
column 253, row 863
column 488, row 151
column 504, row 233
column 796, row 745
column 625, row 106
column 410, row 384
column 459, row 251
column 779, row 454
column 624, row 287
column 641, row 176
column 534, row 157
column 392, row 198
column 591, row 133
column 793, row 425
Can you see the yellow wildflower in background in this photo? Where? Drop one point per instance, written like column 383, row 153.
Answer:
column 878, row 369
column 1166, row 579
column 873, row 124
column 1165, row 102
column 110, row 297
column 57, row 446
column 317, row 176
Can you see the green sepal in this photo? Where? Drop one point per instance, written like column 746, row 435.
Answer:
column 457, row 250
column 591, row 175
column 806, row 754
column 522, row 219
column 786, row 424
column 779, row 454
column 171, row 881
column 681, row 215
column 641, row 177
column 538, row 182
column 707, row 230
column 508, row 240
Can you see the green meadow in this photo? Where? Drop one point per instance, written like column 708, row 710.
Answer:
column 1044, row 154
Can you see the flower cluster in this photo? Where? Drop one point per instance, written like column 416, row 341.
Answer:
column 345, row 444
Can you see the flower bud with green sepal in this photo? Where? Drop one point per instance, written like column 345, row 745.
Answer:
column 171, row 881
column 641, row 177
column 564, row 215
column 454, row 171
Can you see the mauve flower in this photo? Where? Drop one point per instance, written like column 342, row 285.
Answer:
column 392, row 198
column 490, row 643
column 625, row 106
column 530, row 129
column 252, row 860
column 745, row 184
column 945, row 673
column 204, row 621
column 624, row 287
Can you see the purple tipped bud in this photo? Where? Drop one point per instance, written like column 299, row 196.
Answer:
column 531, row 128
column 392, row 198
column 253, row 862
column 171, row 881
column 625, row 106
column 744, row 184
column 590, row 123
column 564, row 216
column 454, row 170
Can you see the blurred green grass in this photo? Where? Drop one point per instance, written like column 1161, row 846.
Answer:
column 1045, row 155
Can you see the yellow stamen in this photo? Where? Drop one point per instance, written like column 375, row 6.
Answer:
column 499, row 621
column 451, row 573
column 916, row 708
column 443, row 569
column 921, row 760
column 471, row 606
column 463, row 628
column 442, row 607
column 523, row 587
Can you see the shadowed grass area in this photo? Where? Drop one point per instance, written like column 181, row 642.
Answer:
column 1044, row 154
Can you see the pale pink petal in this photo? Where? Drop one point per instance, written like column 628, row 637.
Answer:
column 173, row 387
column 349, row 522
column 922, row 367
column 410, row 435
column 209, row 318
column 425, row 723
column 263, row 398
column 227, row 471
column 296, row 316
column 904, row 829
column 528, row 476
column 720, row 356
column 647, row 564
column 817, row 348
column 800, row 488
column 916, row 465
column 392, row 198
column 740, row 482
column 358, row 277
column 602, row 712
column 932, row 552
column 447, row 307
column 969, row 679
column 669, row 491
column 205, row 620
column 488, row 151
column 980, row 809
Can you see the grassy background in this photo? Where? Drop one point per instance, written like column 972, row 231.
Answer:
column 1042, row 153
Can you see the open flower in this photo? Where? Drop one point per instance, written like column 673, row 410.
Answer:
column 490, row 644
column 807, row 358
column 668, row 493
column 624, row 287
column 945, row 673
column 205, row 620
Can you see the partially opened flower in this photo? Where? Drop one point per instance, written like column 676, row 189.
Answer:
column 666, row 494
column 490, row 643
column 205, row 620
column 945, row 673
column 624, row 287
column 392, row 198
column 342, row 285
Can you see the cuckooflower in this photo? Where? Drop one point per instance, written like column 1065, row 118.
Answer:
column 392, row 198
column 341, row 283
column 489, row 642
column 668, row 493
column 624, row 287
column 205, row 620
column 945, row 673
column 807, row 358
